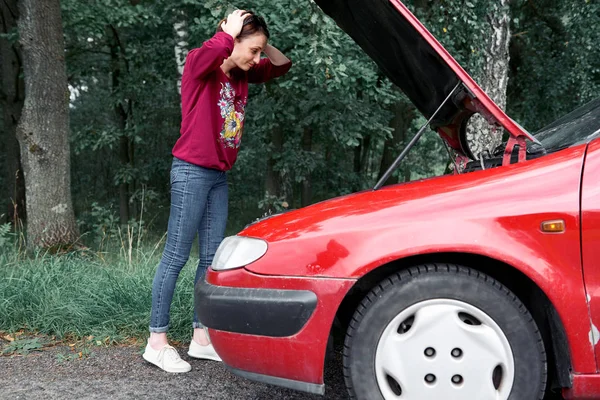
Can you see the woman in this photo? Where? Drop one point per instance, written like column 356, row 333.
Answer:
column 214, row 92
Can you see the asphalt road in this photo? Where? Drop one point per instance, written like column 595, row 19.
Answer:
column 121, row 373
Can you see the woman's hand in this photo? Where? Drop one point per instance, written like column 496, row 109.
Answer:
column 234, row 23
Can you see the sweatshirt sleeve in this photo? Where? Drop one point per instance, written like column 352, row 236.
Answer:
column 265, row 70
column 202, row 61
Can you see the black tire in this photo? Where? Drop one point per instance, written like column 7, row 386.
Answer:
column 434, row 281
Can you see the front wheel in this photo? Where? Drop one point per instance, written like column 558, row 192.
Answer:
column 443, row 332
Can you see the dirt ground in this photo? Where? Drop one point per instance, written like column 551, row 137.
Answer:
column 121, row 373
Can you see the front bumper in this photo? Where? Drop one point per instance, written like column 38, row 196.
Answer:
column 265, row 312
column 268, row 328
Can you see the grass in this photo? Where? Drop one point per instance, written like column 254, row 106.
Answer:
column 23, row 347
column 105, row 295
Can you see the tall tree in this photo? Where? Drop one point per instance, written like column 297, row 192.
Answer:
column 273, row 185
column 493, row 76
column 306, row 193
column 404, row 113
column 43, row 130
column 123, row 112
column 554, row 59
column 116, row 60
column 11, row 100
column 180, row 28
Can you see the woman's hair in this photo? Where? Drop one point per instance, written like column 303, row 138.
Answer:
column 252, row 24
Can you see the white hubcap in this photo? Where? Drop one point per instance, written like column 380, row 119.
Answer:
column 444, row 349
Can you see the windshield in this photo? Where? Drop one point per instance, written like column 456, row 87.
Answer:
column 579, row 126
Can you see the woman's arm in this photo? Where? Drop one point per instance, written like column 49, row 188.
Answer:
column 276, row 56
column 214, row 51
column 209, row 57
column 269, row 68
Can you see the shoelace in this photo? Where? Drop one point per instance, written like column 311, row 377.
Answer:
column 168, row 353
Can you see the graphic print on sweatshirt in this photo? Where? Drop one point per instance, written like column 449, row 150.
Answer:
column 232, row 112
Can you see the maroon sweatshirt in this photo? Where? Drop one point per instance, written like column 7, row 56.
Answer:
column 213, row 104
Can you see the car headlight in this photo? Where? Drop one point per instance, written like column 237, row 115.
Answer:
column 238, row 251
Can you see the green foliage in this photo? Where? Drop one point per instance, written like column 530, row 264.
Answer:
column 134, row 45
column 272, row 202
column 12, row 35
column 334, row 92
column 80, row 295
column 5, row 234
column 100, row 221
column 66, row 357
column 555, row 59
column 22, row 347
column 81, row 351
column 460, row 26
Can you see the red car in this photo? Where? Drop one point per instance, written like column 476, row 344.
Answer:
column 483, row 284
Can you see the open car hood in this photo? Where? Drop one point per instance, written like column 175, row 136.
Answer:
column 420, row 66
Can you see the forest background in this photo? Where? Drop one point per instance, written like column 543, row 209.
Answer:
column 96, row 125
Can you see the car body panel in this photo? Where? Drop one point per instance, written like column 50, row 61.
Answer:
column 590, row 239
column 585, row 387
column 500, row 228
column 299, row 357
column 501, row 220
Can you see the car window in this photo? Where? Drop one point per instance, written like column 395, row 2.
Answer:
column 579, row 126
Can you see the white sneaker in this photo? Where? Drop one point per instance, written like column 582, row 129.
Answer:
column 166, row 359
column 204, row 352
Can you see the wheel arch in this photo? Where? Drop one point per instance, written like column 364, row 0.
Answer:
column 532, row 296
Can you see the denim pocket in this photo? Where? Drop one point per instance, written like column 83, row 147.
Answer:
column 178, row 169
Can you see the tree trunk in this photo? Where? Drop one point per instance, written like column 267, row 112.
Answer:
column 357, row 154
column 15, row 182
column 121, row 115
column 403, row 115
column 306, row 193
column 272, row 178
column 134, row 202
column 364, row 159
column 43, row 130
column 180, row 27
column 124, row 186
column 361, row 160
column 494, row 77
column 11, row 99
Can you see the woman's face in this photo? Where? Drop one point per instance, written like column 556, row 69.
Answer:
column 246, row 52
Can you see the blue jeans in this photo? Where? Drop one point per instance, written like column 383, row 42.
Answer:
column 198, row 205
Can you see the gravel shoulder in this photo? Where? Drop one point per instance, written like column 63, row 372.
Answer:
column 117, row 372
column 121, row 373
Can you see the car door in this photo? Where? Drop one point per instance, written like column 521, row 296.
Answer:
column 590, row 237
